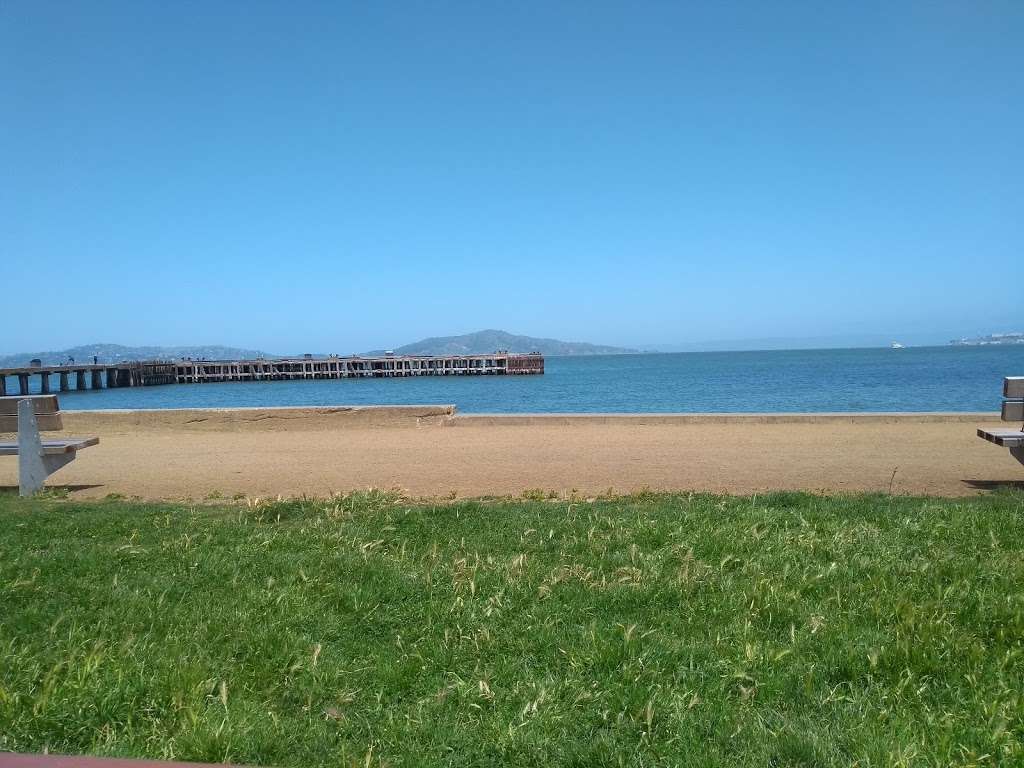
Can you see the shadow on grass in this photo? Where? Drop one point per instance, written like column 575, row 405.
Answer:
column 57, row 490
column 996, row 485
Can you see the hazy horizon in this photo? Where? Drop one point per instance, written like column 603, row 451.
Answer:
column 711, row 345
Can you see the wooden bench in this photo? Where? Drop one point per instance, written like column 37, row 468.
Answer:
column 37, row 458
column 1013, row 410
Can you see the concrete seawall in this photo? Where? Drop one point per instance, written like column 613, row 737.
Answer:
column 681, row 419
column 305, row 419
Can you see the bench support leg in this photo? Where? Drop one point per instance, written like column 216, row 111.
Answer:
column 1018, row 454
column 34, row 466
column 31, row 472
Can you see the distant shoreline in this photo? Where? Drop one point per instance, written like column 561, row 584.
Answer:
column 22, row 359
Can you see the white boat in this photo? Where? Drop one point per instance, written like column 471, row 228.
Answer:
column 897, row 345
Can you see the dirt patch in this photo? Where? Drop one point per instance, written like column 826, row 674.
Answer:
column 270, row 452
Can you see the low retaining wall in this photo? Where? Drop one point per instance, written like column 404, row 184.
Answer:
column 568, row 419
column 258, row 419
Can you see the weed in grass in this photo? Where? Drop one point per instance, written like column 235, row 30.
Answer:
column 534, row 494
column 52, row 492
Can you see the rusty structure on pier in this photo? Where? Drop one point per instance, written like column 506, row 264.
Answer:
column 145, row 373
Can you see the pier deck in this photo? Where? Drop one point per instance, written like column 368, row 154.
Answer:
column 145, row 373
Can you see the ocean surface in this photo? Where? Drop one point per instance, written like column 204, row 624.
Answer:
column 911, row 379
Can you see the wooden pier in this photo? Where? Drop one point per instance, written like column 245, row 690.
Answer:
column 153, row 372
column 388, row 366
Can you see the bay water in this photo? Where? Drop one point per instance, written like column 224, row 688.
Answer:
column 948, row 378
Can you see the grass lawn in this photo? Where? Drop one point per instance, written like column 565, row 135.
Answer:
column 776, row 630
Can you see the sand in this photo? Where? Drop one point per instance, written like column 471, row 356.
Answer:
column 426, row 451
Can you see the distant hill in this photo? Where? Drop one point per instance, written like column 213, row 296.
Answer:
column 484, row 342
column 479, row 343
column 113, row 353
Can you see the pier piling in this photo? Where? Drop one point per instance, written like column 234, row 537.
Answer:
column 64, row 381
column 79, row 380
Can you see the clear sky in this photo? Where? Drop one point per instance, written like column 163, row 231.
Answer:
column 342, row 176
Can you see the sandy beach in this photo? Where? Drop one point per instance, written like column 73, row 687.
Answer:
column 429, row 451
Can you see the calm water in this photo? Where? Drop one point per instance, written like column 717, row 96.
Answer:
column 913, row 379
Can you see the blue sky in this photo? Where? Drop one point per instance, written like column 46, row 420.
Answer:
column 341, row 176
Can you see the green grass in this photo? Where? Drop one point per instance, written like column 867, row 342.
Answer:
column 781, row 630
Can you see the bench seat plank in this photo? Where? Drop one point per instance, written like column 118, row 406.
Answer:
column 50, row 447
column 45, row 422
column 1008, row 438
